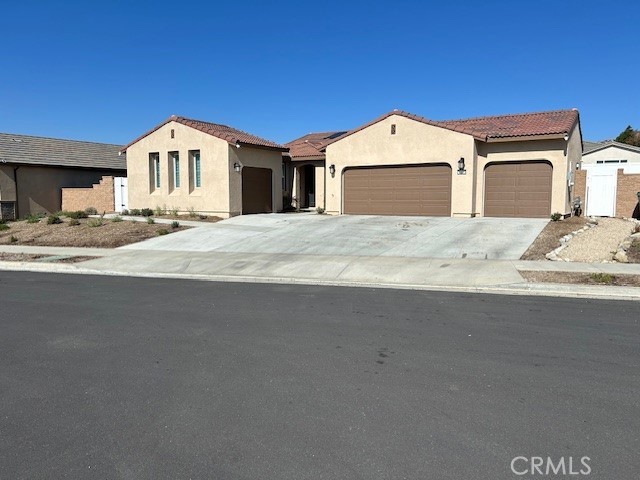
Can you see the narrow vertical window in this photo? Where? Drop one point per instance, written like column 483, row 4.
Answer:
column 196, row 168
column 156, row 169
column 176, row 169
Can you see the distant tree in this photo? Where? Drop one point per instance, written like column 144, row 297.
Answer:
column 629, row 136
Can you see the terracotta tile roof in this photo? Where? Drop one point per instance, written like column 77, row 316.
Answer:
column 556, row 122
column 232, row 135
column 55, row 152
column 311, row 146
column 500, row 126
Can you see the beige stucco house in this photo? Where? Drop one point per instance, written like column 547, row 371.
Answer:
column 209, row 168
column 610, row 153
column 35, row 170
column 403, row 164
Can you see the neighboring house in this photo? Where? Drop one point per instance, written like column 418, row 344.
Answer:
column 609, row 180
column 610, row 152
column 33, row 171
column 187, row 164
column 401, row 164
column 304, row 169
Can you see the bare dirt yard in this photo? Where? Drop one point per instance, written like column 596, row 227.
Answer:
column 549, row 238
column 581, row 278
column 87, row 232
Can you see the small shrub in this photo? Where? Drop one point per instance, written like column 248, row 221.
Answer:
column 53, row 220
column 3, row 227
column 320, row 210
column 77, row 214
column 13, row 239
column 603, row 278
column 146, row 212
column 74, row 222
column 116, row 219
column 135, row 212
column 91, row 211
column 175, row 224
column 125, row 212
column 150, row 221
column 192, row 212
column 34, row 218
column 95, row 222
column 159, row 211
column 163, row 231
column 556, row 216
column 174, row 211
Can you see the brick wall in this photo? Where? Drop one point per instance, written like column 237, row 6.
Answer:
column 627, row 199
column 101, row 196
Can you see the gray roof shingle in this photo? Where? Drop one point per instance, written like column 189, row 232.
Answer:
column 55, row 152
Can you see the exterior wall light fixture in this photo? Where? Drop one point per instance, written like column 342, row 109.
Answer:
column 461, row 169
column 332, row 170
column 237, row 167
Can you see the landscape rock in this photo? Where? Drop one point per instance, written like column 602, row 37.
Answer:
column 621, row 257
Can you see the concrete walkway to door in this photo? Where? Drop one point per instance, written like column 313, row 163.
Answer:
column 355, row 235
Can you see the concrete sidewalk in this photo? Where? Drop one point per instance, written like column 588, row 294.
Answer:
column 489, row 276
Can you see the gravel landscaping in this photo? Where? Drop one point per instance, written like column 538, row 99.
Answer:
column 598, row 244
column 91, row 232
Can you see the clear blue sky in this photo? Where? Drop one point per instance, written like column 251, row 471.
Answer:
column 108, row 71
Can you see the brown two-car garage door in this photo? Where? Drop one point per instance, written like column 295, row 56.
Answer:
column 518, row 189
column 402, row 190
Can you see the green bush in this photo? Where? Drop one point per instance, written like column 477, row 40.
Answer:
column 320, row 210
column 163, row 231
column 135, row 212
column 3, row 227
column 150, row 221
column 13, row 239
column 125, row 212
column 74, row 222
column 174, row 211
column 116, row 219
column 91, row 211
column 34, row 217
column 175, row 224
column 603, row 278
column 77, row 214
column 192, row 212
column 556, row 216
column 53, row 220
column 146, row 212
column 159, row 211
column 95, row 222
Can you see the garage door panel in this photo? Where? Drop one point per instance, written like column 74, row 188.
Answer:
column 402, row 190
column 257, row 190
column 518, row 189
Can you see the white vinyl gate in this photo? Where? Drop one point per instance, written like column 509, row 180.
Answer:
column 121, row 194
column 601, row 192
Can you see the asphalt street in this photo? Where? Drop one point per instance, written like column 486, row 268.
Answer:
column 131, row 378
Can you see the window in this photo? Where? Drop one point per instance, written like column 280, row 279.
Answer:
column 176, row 169
column 154, row 171
column 393, row 129
column 195, row 171
column 611, row 161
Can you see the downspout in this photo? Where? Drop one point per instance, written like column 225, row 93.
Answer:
column 15, row 182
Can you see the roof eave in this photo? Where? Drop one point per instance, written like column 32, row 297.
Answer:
column 519, row 138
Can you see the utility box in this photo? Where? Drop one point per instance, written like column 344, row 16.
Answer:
column 7, row 210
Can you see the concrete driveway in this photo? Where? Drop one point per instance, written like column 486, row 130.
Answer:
column 356, row 235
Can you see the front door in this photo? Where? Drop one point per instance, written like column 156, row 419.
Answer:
column 310, row 186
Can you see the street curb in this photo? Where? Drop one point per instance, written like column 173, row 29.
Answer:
column 526, row 289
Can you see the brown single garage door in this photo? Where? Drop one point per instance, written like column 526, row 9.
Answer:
column 256, row 190
column 517, row 189
column 401, row 190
